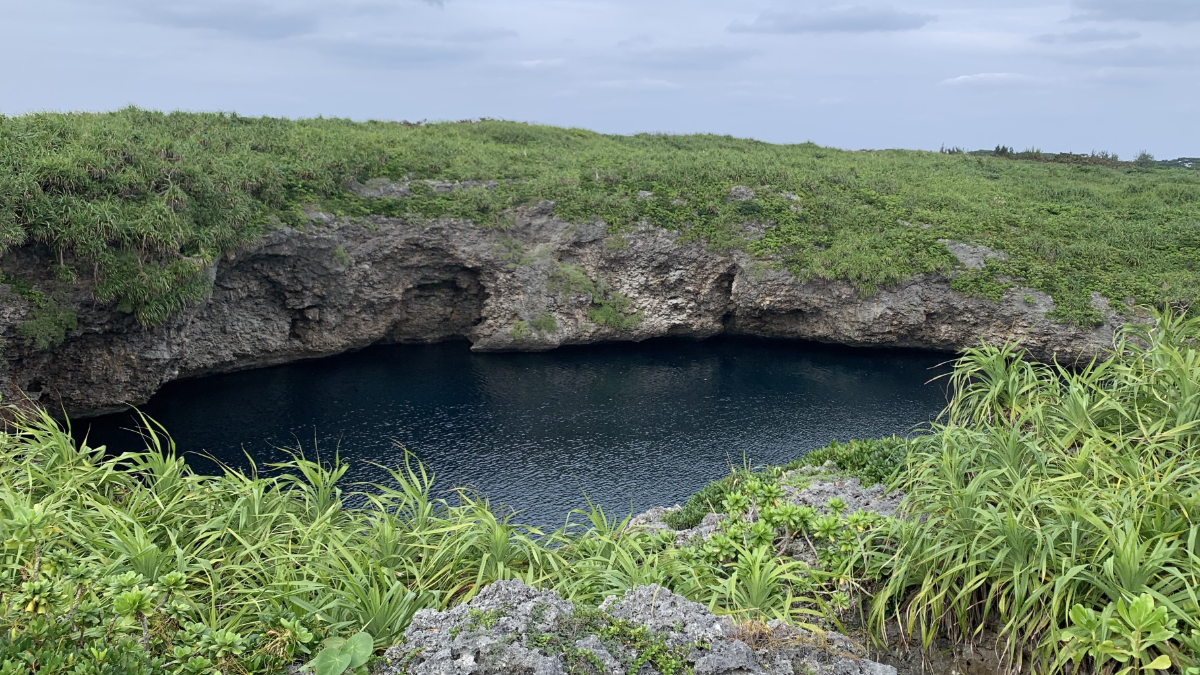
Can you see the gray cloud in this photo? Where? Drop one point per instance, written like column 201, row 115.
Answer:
column 1136, row 10
column 856, row 19
column 388, row 52
column 243, row 19
column 643, row 84
column 1122, row 77
column 391, row 55
column 823, row 75
column 707, row 57
column 1087, row 35
column 1135, row 56
column 253, row 19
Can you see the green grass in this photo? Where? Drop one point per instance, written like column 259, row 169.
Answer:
column 137, row 204
column 872, row 461
column 134, row 564
column 1053, row 508
column 1049, row 489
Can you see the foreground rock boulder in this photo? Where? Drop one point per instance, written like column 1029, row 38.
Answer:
column 510, row 628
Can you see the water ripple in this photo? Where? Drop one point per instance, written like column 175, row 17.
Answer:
column 630, row 425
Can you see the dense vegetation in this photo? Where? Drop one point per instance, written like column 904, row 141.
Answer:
column 137, row 204
column 134, row 564
column 1051, row 509
column 1055, row 498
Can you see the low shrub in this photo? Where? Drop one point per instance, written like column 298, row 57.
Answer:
column 871, row 461
column 707, row 500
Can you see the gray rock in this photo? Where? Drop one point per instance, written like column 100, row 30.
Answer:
column 818, row 493
column 740, row 193
column 385, row 188
column 441, row 187
column 972, row 257
column 679, row 619
column 483, row 636
column 380, row 188
column 491, row 635
column 653, row 520
column 339, row 285
column 653, row 517
column 818, row 653
column 593, row 644
column 728, row 658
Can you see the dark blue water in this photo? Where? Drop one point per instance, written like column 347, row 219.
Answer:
column 630, row 425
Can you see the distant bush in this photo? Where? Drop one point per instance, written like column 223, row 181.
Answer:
column 47, row 323
column 707, row 500
column 614, row 310
column 340, row 256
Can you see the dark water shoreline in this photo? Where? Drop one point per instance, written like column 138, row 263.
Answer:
column 627, row 426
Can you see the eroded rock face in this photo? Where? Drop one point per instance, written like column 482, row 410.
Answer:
column 510, row 628
column 338, row 286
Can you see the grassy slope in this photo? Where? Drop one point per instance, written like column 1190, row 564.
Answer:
column 143, row 201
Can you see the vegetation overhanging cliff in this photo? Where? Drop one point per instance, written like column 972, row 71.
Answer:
column 138, row 203
column 115, row 224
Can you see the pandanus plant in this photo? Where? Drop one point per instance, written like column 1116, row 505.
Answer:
column 1047, row 488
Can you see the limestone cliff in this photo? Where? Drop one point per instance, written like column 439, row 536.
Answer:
column 340, row 285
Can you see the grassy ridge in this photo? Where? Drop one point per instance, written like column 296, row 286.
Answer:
column 139, row 203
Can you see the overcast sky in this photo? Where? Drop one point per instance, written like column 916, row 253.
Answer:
column 1078, row 75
